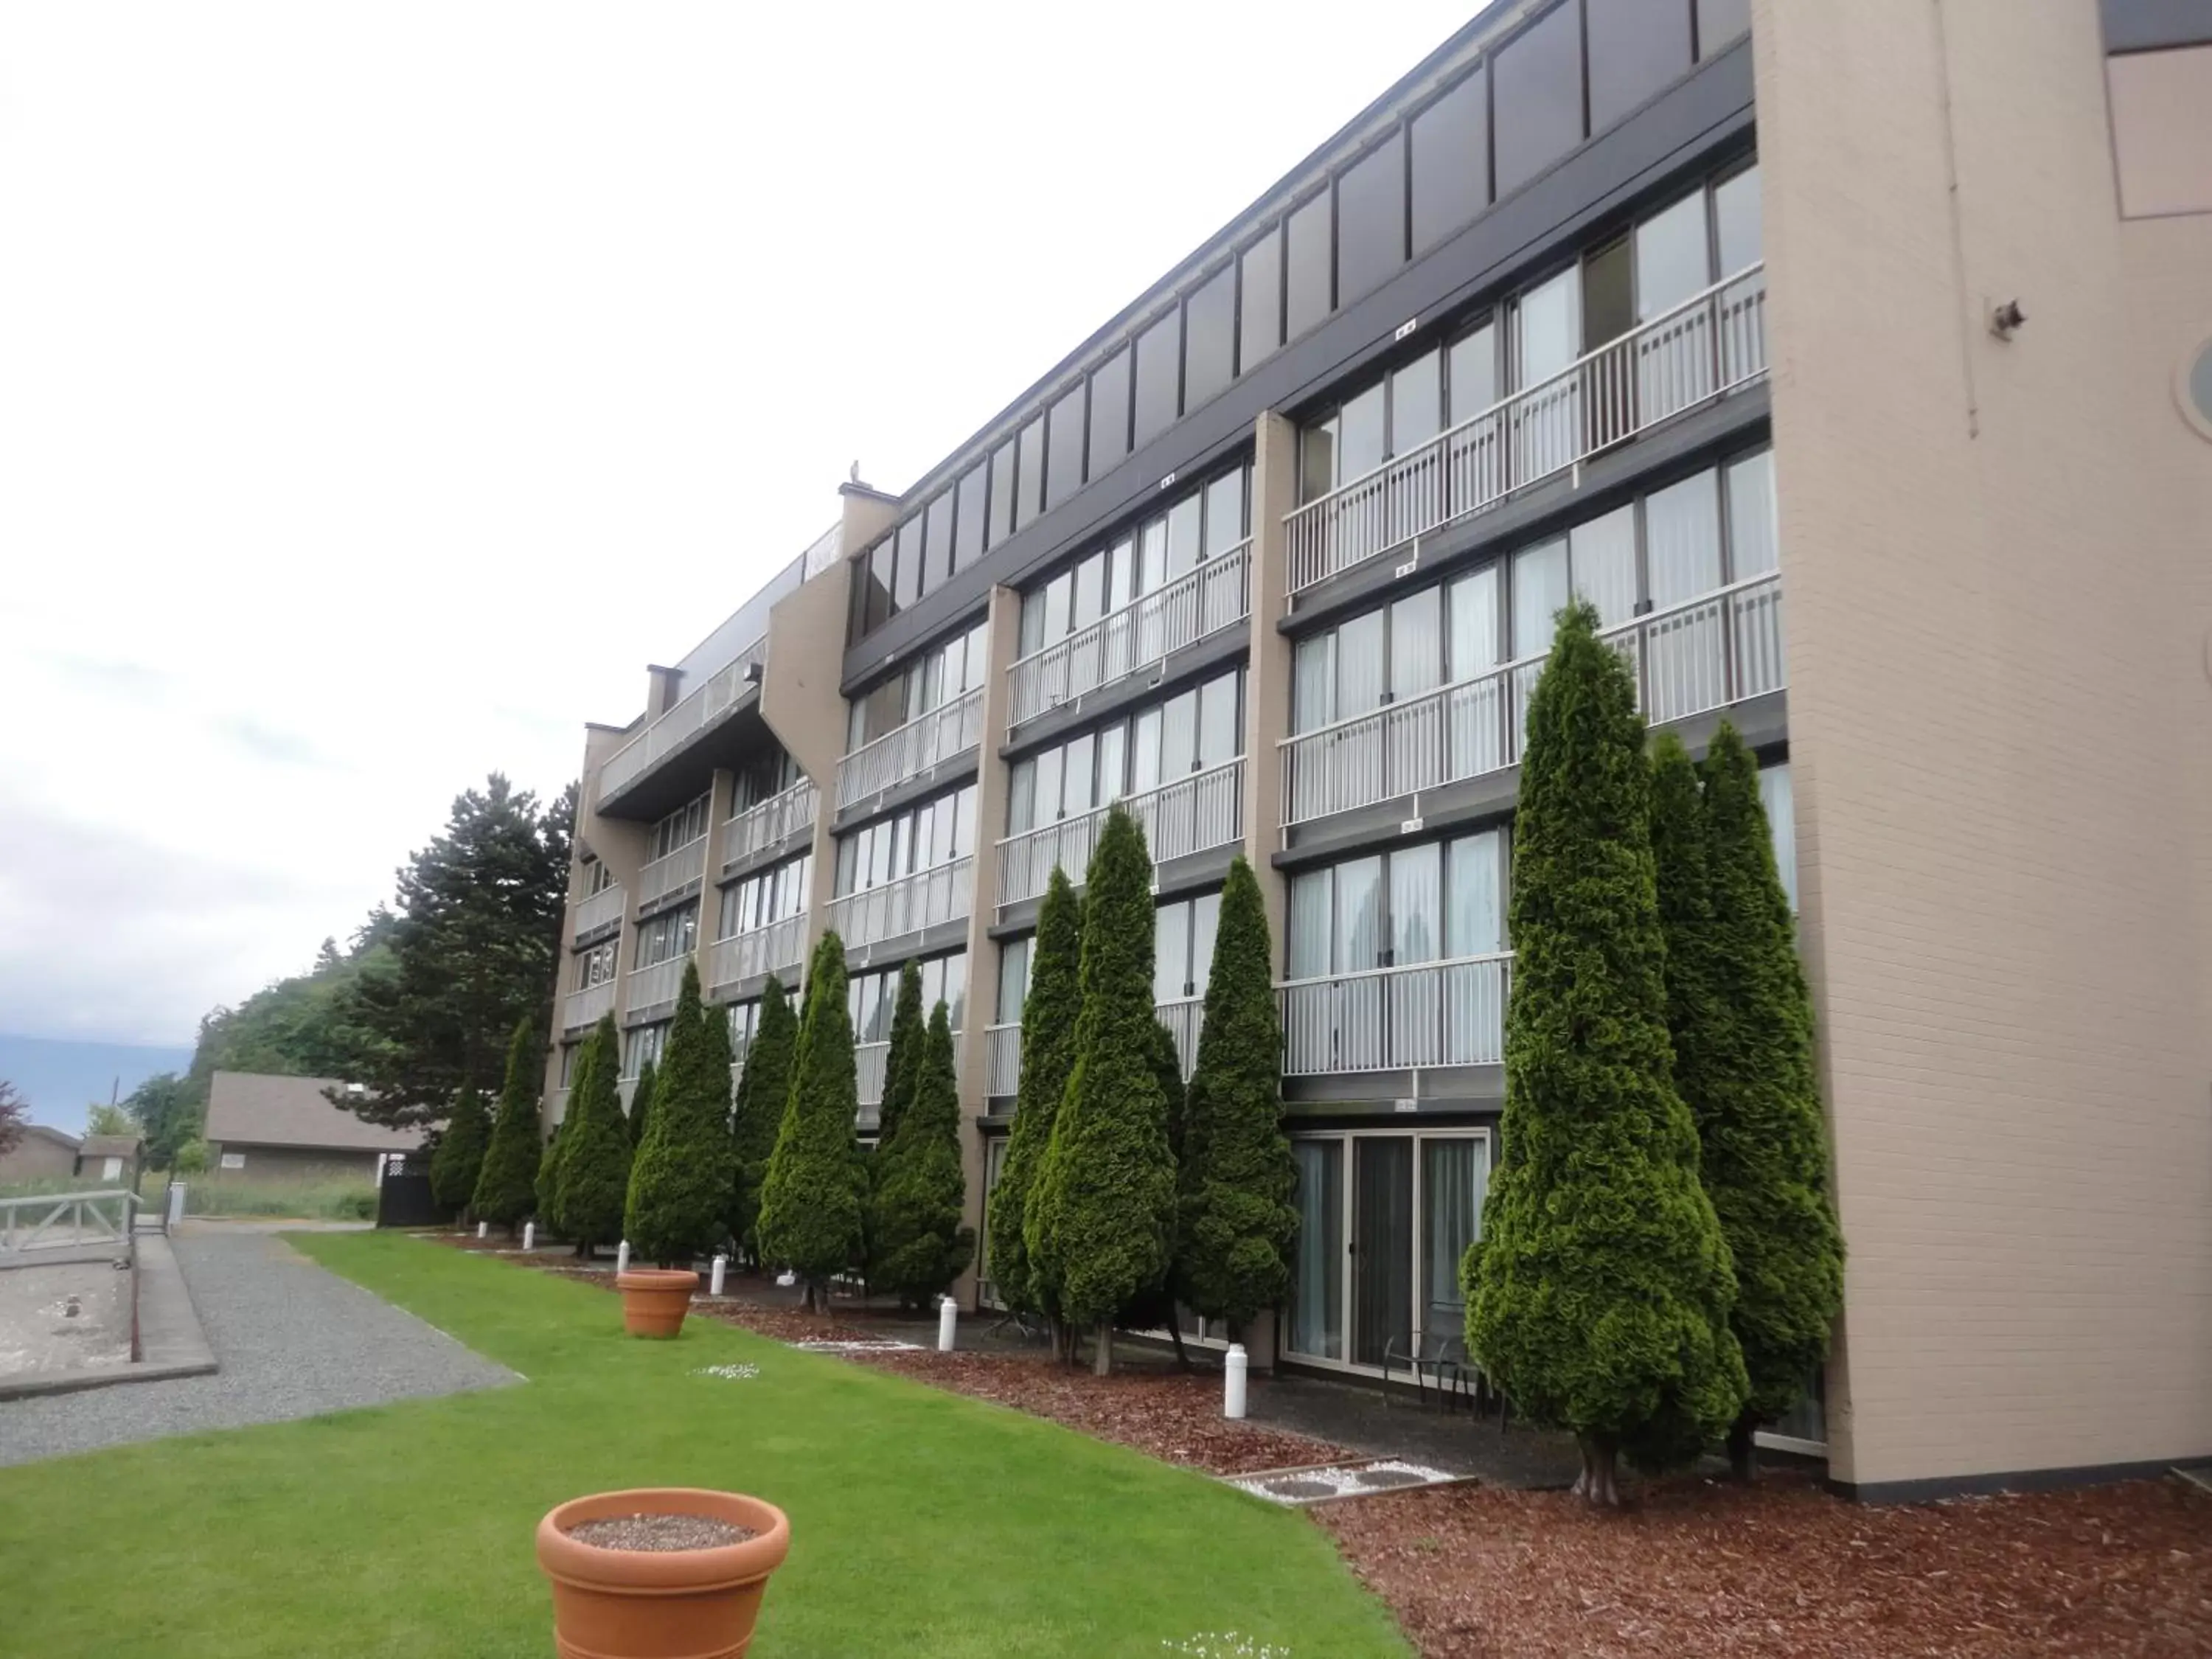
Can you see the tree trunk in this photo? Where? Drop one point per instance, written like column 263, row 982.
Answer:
column 1101, row 1358
column 1743, row 1449
column 1599, row 1484
column 1174, row 1330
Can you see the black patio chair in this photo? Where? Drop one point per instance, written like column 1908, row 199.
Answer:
column 1437, row 1353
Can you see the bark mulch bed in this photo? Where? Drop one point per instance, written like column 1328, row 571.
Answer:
column 1703, row 1568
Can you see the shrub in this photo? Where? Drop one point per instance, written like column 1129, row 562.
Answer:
column 680, row 1181
column 921, row 1191
column 592, row 1178
column 506, row 1187
column 459, row 1161
column 811, row 1200
column 761, row 1092
column 1048, row 1014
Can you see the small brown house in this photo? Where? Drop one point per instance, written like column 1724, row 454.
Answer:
column 108, row 1160
column 42, row 1154
column 261, row 1127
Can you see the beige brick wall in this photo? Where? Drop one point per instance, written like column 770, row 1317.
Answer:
column 1994, row 557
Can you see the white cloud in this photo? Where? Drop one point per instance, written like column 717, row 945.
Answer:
column 381, row 387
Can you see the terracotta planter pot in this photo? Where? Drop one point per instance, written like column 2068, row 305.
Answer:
column 655, row 1299
column 660, row 1604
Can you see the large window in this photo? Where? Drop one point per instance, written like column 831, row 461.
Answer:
column 1370, row 219
column 1110, row 412
column 1260, row 324
column 1191, row 732
column 1436, row 902
column 1063, row 473
column 670, row 935
column 968, row 515
column 643, row 1045
column 943, row 673
column 1636, row 47
column 761, row 777
column 1537, row 81
column 1159, row 367
column 1437, row 635
column 680, row 827
column 767, row 896
column 1310, row 291
column 1014, row 978
column 595, row 966
column 1183, row 946
column 1209, row 342
column 1451, row 162
column 873, row 998
column 938, row 831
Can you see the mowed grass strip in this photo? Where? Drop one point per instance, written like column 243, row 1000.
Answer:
column 923, row 1522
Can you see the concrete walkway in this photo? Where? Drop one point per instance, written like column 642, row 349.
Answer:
column 292, row 1340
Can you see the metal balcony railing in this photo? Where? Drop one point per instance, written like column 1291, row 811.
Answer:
column 1722, row 647
column 1187, row 816
column 1147, row 630
column 670, row 872
column 905, row 906
column 651, row 986
column 909, row 750
column 1003, row 1058
column 1183, row 1017
column 1708, row 345
column 870, row 1064
column 768, row 822
column 780, row 948
column 708, row 706
column 603, row 907
column 1384, row 1019
column 587, row 1006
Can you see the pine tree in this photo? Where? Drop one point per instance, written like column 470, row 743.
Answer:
column 1237, row 1227
column 506, row 1186
column 1601, row 1294
column 902, row 1060
column 546, row 1189
column 1757, row 1100
column 922, row 1245
column 1106, row 1193
column 680, row 1181
column 1049, row 1014
column 761, row 1092
column 592, row 1174
column 640, row 1103
column 812, row 1196
column 1155, row 1308
column 459, row 1161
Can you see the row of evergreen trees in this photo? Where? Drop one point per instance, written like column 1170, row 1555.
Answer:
column 1125, row 1195
column 1659, row 1264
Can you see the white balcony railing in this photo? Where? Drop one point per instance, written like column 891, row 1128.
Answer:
column 709, row 705
column 651, row 986
column 1148, row 629
column 603, row 907
column 1187, row 816
column 780, row 948
column 910, row 750
column 1719, row 648
column 1002, row 1058
column 1183, row 1017
column 556, row 1106
column 1710, row 345
column 920, row 900
column 586, row 1006
column 667, row 874
column 767, row 823
column 870, row 1063
column 1384, row 1019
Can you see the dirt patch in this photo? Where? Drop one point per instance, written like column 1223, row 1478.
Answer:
column 659, row 1533
column 1696, row 1567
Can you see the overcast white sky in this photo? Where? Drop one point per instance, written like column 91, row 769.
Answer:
column 381, row 387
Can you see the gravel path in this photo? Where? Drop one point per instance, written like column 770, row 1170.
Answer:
column 293, row 1341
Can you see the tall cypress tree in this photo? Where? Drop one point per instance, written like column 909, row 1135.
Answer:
column 1757, row 1105
column 902, row 1060
column 1599, row 1299
column 812, row 1197
column 679, row 1186
column 640, row 1103
column 459, row 1161
column 1236, row 1223
column 1055, row 998
column 591, row 1178
column 761, row 1092
column 922, row 1246
column 1108, row 1191
column 507, row 1183
column 1049, row 1013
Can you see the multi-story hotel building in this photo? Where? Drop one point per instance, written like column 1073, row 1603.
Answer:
column 1852, row 359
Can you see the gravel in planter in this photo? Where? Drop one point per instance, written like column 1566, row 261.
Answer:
column 660, row 1532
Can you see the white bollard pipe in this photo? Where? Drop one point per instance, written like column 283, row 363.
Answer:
column 1233, row 1381
column 529, row 1234
column 176, row 1203
column 948, row 1316
column 483, row 1229
column 714, row 1284
column 621, row 1257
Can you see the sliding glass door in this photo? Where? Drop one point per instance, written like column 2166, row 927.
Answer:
column 1385, row 1217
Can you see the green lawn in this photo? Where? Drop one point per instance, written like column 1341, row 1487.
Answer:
column 923, row 1522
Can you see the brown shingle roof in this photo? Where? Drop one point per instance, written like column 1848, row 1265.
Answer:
column 109, row 1146
column 254, row 1109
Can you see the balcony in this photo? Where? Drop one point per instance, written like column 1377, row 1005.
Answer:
column 1147, row 630
column 651, row 986
column 1721, row 648
column 1388, row 1019
column 1705, row 348
column 910, row 750
column 905, row 906
column 1182, row 1018
column 596, row 912
column 709, row 706
column 584, row 1008
column 870, row 1065
column 671, row 873
column 1002, row 1060
column 1188, row 816
column 758, row 827
column 780, row 948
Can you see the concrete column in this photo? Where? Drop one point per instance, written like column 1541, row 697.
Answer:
column 1002, row 630
column 1268, row 676
column 720, row 794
